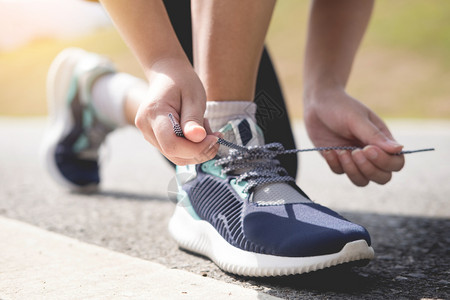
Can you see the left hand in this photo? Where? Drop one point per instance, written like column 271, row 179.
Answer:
column 333, row 118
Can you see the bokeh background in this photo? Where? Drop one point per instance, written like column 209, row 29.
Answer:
column 402, row 69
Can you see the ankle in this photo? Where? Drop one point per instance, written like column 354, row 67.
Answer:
column 109, row 94
column 220, row 113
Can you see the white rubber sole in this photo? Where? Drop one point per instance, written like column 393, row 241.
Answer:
column 200, row 237
column 60, row 119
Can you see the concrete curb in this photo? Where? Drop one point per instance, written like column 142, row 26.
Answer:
column 39, row 264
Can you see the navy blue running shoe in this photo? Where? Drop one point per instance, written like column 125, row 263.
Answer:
column 69, row 150
column 244, row 212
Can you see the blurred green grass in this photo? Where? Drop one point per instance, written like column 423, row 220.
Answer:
column 401, row 71
column 421, row 26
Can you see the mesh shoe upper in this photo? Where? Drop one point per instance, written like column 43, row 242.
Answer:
column 76, row 155
column 76, row 147
column 258, row 212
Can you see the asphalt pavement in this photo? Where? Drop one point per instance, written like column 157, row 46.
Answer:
column 409, row 218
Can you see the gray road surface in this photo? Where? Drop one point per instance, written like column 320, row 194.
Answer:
column 408, row 218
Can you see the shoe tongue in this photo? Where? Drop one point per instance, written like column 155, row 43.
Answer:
column 244, row 132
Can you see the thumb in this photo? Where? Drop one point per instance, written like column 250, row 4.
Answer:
column 192, row 121
column 371, row 134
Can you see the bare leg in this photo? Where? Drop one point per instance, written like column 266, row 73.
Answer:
column 135, row 96
column 275, row 129
column 226, row 57
column 228, row 42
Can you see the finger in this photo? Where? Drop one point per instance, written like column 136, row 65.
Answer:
column 207, row 126
column 393, row 146
column 368, row 170
column 192, row 119
column 174, row 146
column 379, row 123
column 218, row 134
column 205, row 151
column 142, row 122
column 207, row 154
column 377, row 133
column 351, row 169
column 333, row 161
column 179, row 161
column 197, row 159
column 160, row 133
column 209, row 129
column 383, row 160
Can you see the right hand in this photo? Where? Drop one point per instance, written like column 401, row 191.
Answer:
column 175, row 88
column 332, row 117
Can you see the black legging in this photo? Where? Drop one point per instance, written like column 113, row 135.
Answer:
column 271, row 114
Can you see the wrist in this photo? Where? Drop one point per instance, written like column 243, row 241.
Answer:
column 321, row 90
column 166, row 63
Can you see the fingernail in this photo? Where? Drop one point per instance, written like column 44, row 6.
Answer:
column 359, row 156
column 328, row 155
column 212, row 145
column 394, row 143
column 371, row 153
column 192, row 125
column 344, row 158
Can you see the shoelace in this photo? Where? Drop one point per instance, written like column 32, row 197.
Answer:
column 259, row 162
column 257, row 165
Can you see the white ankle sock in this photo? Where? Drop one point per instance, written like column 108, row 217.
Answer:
column 219, row 113
column 108, row 96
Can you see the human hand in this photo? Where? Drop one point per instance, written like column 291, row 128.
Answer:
column 175, row 88
column 333, row 118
